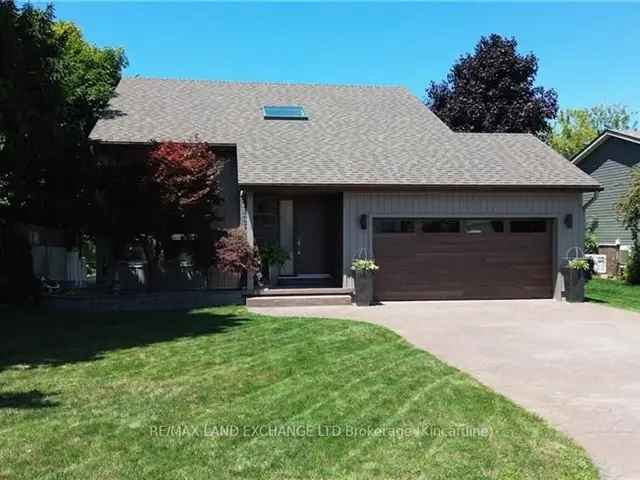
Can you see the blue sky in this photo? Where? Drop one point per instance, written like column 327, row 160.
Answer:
column 588, row 52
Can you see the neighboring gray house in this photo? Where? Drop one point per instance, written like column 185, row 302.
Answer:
column 332, row 173
column 609, row 159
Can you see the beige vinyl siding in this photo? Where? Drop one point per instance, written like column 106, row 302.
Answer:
column 611, row 165
column 544, row 204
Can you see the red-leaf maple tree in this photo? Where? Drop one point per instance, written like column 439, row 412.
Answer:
column 184, row 176
column 168, row 189
column 183, row 181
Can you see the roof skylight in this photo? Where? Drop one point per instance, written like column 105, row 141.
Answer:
column 284, row 112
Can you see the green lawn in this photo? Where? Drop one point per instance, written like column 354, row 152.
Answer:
column 133, row 396
column 613, row 292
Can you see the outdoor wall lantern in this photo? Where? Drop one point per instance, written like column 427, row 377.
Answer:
column 363, row 221
column 568, row 220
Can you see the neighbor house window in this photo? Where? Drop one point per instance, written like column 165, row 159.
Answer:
column 477, row 226
column 394, row 225
column 528, row 226
column 284, row 112
column 440, row 226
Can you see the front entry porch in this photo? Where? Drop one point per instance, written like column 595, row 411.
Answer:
column 308, row 227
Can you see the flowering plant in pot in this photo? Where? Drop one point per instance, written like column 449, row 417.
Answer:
column 579, row 265
column 365, row 270
column 274, row 257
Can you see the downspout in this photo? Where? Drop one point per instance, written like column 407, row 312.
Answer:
column 591, row 200
column 595, row 196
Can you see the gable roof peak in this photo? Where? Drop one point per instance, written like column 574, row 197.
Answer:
column 627, row 135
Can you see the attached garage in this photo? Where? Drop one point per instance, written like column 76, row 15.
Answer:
column 454, row 245
column 463, row 258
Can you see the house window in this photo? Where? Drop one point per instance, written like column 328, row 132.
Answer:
column 394, row 225
column 440, row 226
column 528, row 226
column 284, row 112
column 265, row 219
column 479, row 226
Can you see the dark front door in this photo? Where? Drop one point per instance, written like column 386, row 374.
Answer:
column 313, row 235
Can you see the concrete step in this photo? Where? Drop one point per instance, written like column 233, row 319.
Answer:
column 297, row 300
column 283, row 292
column 303, row 282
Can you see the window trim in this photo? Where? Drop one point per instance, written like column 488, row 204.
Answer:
column 399, row 219
column 554, row 220
column 458, row 220
column 545, row 221
column 504, row 222
column 551, row 220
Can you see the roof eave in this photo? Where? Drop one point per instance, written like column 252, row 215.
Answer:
column 98, row 141
column 414, row 187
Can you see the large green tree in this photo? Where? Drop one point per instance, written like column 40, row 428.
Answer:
column 493, row 90
column 572, row 132
column 31, row 106
column 90, row 77
column 53, row 87
column 576, row 128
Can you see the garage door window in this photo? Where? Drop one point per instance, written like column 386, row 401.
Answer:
column 440, row 226
column 394, row 225
column 528, row 226
column 480, row 226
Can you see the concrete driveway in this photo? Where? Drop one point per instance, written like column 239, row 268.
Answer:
column 577, row 365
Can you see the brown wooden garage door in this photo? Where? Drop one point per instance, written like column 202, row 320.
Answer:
column 429, row 259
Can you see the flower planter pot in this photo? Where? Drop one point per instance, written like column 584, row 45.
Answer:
column 574, row 281
column 364, row 288
column 274, row 273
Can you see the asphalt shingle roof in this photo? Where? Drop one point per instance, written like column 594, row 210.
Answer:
column 354, row 135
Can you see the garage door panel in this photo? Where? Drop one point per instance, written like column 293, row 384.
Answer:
column 425, row 266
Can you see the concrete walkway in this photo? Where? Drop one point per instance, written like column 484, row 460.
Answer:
column 577, row 365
